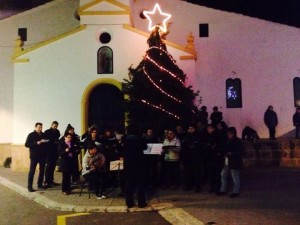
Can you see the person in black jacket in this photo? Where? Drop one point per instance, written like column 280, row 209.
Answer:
column 233, row 162
column 203, row 115
column 271, row 121
column 52, row 135
column 134, row 166
column 249, row 134
column 93, row 137
column 216, row 116
column 67, row 153
column 36, row 143
column 211, row 144
column 76, row 151
column 192, row 159
column 151, row 161
column 296, row 122
column 112, row 151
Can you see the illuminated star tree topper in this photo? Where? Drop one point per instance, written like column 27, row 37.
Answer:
column 157, row 18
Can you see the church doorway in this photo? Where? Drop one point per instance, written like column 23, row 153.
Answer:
column 105, row 107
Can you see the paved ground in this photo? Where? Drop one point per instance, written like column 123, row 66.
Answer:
column 270, row 196
column 16, row 209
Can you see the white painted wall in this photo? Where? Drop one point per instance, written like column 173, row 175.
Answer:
column 264, row 55
column 42, row 23
column 50, row 87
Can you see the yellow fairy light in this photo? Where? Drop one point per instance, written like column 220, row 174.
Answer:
column 160, row 89
column 155, row 17
column 160, row 108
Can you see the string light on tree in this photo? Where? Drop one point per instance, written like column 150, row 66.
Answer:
column 160, row 108
column 155, row 17
column 161, row 90
column 162, row 68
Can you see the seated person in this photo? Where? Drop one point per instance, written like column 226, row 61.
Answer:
column 249, row 134
column 93, row 164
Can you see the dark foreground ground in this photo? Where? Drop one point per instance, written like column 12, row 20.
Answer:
column 269, row 196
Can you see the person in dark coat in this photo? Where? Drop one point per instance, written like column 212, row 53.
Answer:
column 203, row 115
column 213, row 157
column 134, row 166
column 296, row 122
column 52, row 135
column 76, row 151
column 151, row 161
column 36, row 143
column 192, row 160
column 249, row 134
column 216, row 116
column 271, row 121
column 112, row 151
column 93, row 137
column 67, row 153
column 233, row 162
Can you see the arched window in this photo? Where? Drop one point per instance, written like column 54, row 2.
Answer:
column 105, row 60
column 296, row 84
column 234, row 93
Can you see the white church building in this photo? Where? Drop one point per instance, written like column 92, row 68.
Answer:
column 73, row 74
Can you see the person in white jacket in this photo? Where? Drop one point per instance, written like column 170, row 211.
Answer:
column 171, row 161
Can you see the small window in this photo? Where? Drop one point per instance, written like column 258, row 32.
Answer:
column 203, row 30
column 105, row 60
column 233, row 93
column 105, row 38
column 22, row 32
column 296, row 84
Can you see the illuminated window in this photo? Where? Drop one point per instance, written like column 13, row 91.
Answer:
column 105, row 60
column 296, row 84
column 233, row 93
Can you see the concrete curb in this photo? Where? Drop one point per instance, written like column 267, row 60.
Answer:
column 50, row 204
column 176, row 216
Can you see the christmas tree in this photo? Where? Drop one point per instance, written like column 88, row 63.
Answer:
column 158, row 97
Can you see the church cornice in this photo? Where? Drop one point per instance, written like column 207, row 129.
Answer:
column 83, row 10
column 103, row 13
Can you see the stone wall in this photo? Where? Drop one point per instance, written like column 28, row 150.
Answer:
column 19, row 155
column 265, row 152
column 5, row 152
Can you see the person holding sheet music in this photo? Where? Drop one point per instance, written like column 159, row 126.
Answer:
column 36, row 143
column 171, row 166
column 76, row 143
column 67, row 153
column 93, row 138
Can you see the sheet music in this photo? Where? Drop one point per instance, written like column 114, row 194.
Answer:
column 116, row 165
column 153, row 149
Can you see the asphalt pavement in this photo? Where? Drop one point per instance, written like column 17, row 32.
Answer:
column 269, row 196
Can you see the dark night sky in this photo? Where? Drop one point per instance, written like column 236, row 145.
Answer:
column 21, row 4
column 280, row 11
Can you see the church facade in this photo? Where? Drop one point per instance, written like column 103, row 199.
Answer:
column 75, row 78
column 240, row 64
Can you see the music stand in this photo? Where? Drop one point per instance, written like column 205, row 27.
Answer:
column 117, row 165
